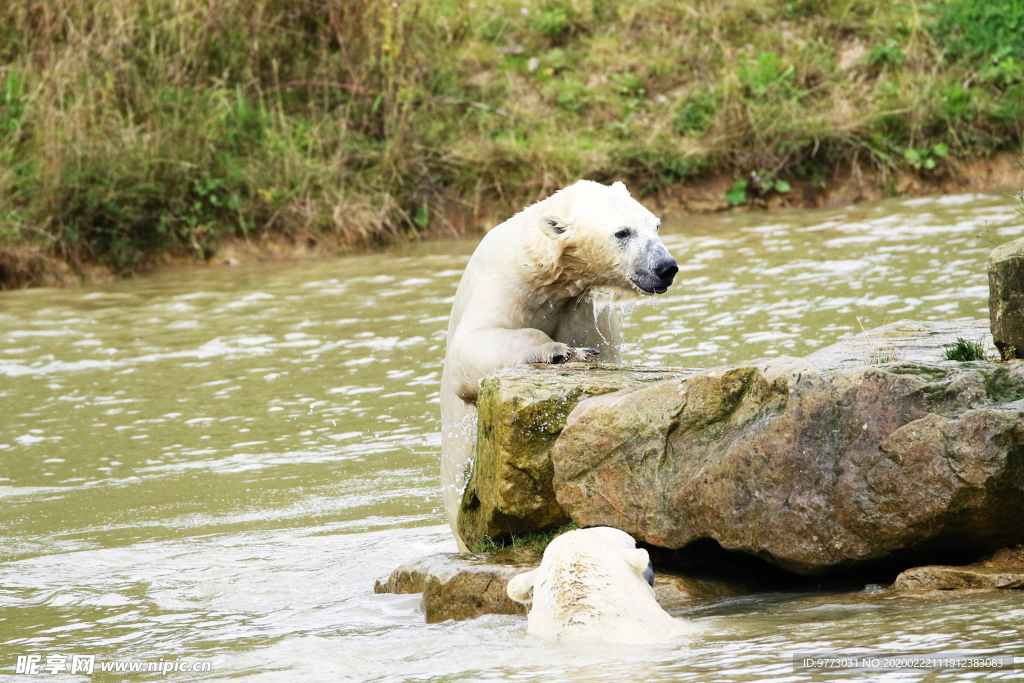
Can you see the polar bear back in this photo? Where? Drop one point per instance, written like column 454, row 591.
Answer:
column 591, row 586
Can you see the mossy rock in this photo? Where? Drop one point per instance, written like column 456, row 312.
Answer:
column 522, row 411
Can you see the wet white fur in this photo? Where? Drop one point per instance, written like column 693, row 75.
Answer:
column 536, row 283
column 590, row 588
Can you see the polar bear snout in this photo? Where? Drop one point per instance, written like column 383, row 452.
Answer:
column 666, row 270
column 656, row 273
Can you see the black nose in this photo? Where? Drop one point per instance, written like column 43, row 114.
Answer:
column 666, row 269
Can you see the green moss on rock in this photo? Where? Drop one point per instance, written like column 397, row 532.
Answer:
column 522, row 411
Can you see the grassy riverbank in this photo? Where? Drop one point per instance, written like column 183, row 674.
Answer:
column 130, row 129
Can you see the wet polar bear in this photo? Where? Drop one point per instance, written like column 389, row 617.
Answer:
column 536, row 290
column 594, row 585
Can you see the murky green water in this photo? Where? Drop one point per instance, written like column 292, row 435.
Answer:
column 216, row 464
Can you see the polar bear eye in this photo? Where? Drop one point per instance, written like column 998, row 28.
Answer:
column 623, row 233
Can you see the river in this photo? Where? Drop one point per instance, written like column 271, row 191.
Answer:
column 216, row 463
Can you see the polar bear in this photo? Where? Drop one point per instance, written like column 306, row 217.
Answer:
column 594, row 585
column 537, row 290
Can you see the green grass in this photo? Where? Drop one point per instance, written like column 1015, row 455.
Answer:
column 131, row 129
column 964, row 350
column 536, row 541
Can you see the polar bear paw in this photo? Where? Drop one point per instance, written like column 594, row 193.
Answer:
column 570, row 354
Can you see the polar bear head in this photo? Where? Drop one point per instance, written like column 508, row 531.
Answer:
column 597, row 238
column 595, row 585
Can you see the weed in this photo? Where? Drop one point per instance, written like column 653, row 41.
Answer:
column 810, row 172
column 885, row 354
column 769, row 76
column 488, row 544
column 695, row 115
column 963, row 350
column 925, row 158
column 12, row 104
column 978, row 28
column 573, row 97
column 1002, row 70
column 761, row 183
column 886, row 55
column 658, row 165
column 535, row 541
column 737, row 194
column 881, row 351
column 765, row 181
column 628, row 85
column 555, row 21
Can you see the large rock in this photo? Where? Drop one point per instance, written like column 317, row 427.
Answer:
column 521, row 412
column 1004, row 569
column 867, row 451
column 1006, row 297
column 810, row 466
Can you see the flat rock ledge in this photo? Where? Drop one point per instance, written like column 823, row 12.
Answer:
column 460, row 586
column 1004, row 569
column 872, row 452
column 465, row 586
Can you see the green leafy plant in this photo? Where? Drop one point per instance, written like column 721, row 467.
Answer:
column 421, row 217
column 963, row 350
column 1002, row 69
column 761, row 184
column 737, row 194
column 766, row 181
column 925, row 158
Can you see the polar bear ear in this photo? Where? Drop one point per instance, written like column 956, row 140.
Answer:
column 637, row 558
column 553, row 226
column 520, row 588
column 621, row 187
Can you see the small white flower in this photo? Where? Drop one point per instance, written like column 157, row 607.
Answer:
column 524, row 11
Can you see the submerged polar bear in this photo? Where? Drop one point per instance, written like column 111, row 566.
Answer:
column 594, row 585
column 536, row 290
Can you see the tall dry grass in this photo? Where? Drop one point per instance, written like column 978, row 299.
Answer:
column 131, row 127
